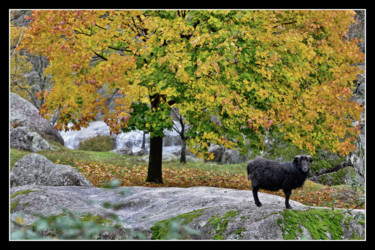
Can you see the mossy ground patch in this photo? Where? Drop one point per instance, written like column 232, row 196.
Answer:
column 321, row 224
column 163, row 229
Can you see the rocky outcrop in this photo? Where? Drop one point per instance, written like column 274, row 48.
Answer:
column 188, row 213
column 72, row 138
column 36, row 169
column 165, row 157
column 358, row 158
column 357, row 30
column 123, row 151
column 23, row 113
column 226, row 156
column 22, row 138
column 131, row 140
column 129, row 152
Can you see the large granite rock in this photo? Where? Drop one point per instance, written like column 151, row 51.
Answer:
column 36, row 169
column 131, row 140
column 188, row 213
column 23, row 113
column 73, row 138
column 22, row 138
column 226, row 156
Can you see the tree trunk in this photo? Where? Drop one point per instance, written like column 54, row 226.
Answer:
column 155, row 160
column 222, row 154
column 156, row 149
column 143, row 147
column 183, row 150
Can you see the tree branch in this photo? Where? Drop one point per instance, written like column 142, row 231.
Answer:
column 31, row 95
column 109, row 99
column 102, row 57
column 100, row 27
column 18, row 43
column 141, row 32
column 20, row 14
column 120, row 49
column 81, row 32
column 335, row 169
column 171, row 102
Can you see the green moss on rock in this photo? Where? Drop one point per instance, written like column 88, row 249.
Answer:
column 22, row 192
column 239, row 232
column 162, row 229
column 95, row 218
column 14, row 204
column 220, row 224
column 321, row 223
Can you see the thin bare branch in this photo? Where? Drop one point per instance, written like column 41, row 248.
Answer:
column 18, row 43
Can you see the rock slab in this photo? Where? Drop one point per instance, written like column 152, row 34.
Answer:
column 215, row 213
column 22, row 138
column 23, row 113
column 35, row 169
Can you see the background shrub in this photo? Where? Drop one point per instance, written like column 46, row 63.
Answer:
column 277, row 148
column 99, row 143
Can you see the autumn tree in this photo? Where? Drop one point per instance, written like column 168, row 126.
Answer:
column 26, row 71
column 19, row 65
column 285, row 70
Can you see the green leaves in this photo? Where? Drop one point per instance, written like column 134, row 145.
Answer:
column 137, row 117
column 150, row 121
column 67, row 225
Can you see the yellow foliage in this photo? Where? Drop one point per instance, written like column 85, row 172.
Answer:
column 19, row 65
column 254, row 69
column 20, row 220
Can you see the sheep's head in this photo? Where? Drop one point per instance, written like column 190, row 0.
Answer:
column 302, row 162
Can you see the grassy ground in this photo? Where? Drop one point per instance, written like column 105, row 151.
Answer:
column 102, row 167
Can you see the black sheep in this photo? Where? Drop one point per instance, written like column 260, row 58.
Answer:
column 272, row 175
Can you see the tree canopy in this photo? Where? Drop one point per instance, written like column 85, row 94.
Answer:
column 232, row 74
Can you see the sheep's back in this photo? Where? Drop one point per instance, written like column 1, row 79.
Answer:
column 261, row 164
column 268, row 174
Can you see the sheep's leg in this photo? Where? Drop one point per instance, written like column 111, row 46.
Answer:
column 287, row 195
column 256, row 199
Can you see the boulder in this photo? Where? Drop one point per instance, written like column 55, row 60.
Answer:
column 23, row 113
column 129, row 152
column 357, row 158
column 123, row 151
column 201, row 213
column 23, row 138
column 193, row 159
column 165, row 157
column 38, row 143
column 38, row 170
column 226, row 156
column 131, row 140
column 359, row 91
column 141, row 152
column 172, row 138
column 72, row 138
column 169, row 157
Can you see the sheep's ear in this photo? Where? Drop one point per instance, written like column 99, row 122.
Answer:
column 297, row 158
column 310, row 158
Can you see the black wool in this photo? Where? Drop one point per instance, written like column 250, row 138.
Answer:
column 273, row 175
